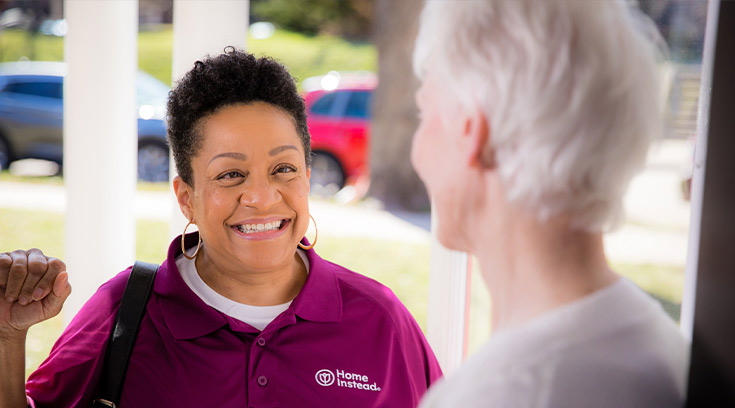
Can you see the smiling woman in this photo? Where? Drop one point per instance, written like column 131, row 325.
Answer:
column 249, row 173
column 243, row 311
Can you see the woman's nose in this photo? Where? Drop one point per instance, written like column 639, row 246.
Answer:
column 260, row 195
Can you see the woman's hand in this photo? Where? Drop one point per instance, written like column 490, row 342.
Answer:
column 33, row 288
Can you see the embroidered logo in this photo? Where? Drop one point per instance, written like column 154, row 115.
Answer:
column 325, row 378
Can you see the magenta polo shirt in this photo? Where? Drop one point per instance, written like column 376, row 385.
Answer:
column 345, row 341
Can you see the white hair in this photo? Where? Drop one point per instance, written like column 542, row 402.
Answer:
column 570, row 89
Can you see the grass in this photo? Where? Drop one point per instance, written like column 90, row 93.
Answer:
column 15, row 44
column 52, row 180
column 304, row 56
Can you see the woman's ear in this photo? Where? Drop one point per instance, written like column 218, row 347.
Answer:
column 183, row 196
column 477, row 140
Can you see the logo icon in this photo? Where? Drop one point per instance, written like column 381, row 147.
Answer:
column 324, row 378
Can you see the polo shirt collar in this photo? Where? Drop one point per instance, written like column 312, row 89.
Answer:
column 320, row 300
column 188, row 317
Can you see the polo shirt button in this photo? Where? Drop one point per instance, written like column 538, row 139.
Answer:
column 261, row 341
column 262, row 380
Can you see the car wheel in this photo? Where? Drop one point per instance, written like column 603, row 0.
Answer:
column 4, row 155
column 153, row 162
column 327, row 176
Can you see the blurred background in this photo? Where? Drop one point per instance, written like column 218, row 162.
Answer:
column 352, row 60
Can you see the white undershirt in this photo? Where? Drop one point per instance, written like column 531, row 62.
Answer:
column 256, row 316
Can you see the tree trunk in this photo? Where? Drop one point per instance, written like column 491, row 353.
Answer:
column 393, row 180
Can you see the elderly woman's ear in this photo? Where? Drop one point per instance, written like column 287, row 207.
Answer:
column 476, row 140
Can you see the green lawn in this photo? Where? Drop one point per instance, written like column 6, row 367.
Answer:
column 303, row 55
column 5, row 175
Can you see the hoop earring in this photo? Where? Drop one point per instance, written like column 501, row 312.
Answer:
column 183, row 248
column 304, row 247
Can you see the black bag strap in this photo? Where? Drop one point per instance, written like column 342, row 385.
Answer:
column 129, row 315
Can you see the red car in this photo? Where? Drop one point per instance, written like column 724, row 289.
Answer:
column 338, row 115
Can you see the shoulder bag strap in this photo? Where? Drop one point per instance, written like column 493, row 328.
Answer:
column 129, row 315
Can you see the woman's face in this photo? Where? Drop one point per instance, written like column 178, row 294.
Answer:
column 251, row 188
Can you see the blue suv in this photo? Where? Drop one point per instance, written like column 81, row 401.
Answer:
column 31, row 117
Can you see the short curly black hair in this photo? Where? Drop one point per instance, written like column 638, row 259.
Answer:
column 233, row 77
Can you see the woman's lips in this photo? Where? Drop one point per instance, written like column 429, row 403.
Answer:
column 259, row 231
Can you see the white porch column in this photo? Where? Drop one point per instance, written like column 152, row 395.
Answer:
column 203, row 27
column 448, row 303
column 100, row 142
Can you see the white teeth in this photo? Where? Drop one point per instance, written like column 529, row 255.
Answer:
column 250, row 228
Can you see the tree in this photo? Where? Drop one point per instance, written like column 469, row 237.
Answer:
column 393, row 180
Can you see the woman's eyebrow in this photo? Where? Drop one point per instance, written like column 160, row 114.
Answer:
column 277, row 150
column 232, row 155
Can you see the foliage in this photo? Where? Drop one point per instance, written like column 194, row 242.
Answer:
column 348, row 18
column 307, row 56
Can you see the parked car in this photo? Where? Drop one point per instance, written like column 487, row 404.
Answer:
column 31, row 117
column 338, row 115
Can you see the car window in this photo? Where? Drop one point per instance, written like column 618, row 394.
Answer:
column 358, row 105
column 324, row 105
column 41, row 88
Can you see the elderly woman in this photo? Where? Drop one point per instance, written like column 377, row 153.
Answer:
column 541, row 112
column 243, row 313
